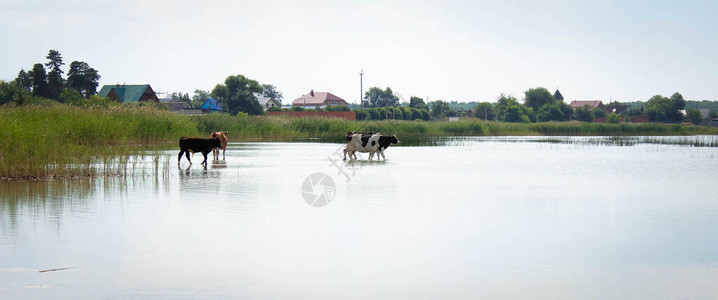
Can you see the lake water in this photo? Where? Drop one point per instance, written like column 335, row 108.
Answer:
column 475, row 218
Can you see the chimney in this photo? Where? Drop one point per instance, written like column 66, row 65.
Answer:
column 312, row 92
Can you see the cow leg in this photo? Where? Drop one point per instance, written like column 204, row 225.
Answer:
column 179, row 157
column 187, row 154
column 382, row 155
column 204, row 162
column 223, row 149
column 345, row 154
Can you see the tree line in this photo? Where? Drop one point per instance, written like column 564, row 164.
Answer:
column 47, row 81
column 239, row 93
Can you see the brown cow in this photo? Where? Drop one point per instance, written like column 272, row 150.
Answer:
column 222, row 135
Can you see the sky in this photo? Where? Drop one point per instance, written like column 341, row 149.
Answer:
column 436, row 50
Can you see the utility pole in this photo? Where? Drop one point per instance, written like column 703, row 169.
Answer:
column 361, row 88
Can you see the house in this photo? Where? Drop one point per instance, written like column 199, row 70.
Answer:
column 211, row 105
column 267, row 102
column 617, row 108
column 321, row 99
column 576, row 104
column 182, row 108
column 128, row 93
column 164, row 97
column 557, row 95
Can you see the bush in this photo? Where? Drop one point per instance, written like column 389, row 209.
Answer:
column 362, row 114
column 613, row 118
column 694, row 116
column 584, row 114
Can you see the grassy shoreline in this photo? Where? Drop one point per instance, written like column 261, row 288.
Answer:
column 62, row 141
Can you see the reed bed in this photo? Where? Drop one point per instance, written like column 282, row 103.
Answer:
column 63, row 141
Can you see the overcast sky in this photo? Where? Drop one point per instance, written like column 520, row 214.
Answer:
column 449, row 50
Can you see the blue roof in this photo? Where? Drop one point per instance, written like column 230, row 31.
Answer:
column 211, row 104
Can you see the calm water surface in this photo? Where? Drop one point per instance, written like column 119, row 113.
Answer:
column 476, row 218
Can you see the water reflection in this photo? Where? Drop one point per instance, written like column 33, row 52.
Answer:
column 43, row 199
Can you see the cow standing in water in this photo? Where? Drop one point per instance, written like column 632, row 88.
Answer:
column 222, row 136
column 193, row 145
column 368, row 142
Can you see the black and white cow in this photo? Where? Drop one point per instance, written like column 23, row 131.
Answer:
column 193, row 145
column 368, row 142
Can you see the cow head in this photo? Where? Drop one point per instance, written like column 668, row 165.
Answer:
column 394, row 140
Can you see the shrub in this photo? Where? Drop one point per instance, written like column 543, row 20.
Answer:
column 613, row 118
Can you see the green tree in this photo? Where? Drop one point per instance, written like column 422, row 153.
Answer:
column 503, row 103
column 677, row 104
column 238, row 95
column 514, row 113
column 538, row 97
column 11, row 92
column 440, row 109
column 418, row 103
column 199, row 97
column 598, row 113
column 584, row 114
column 407, row 113
column 550, row 112
column 54, row 60
column 566, row 109
column 179, row 97
column 694, row 116
column 55, row 82
column 656, row 108
column 39, row 81
column 82, row 78
column 376, row 97
column 24, row 80
column 484, row 111
column 71, row 96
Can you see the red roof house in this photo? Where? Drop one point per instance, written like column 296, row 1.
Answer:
column 320, row 99
column 576, row 104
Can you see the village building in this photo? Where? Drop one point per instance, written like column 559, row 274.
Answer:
column 618, row 108
column 211, row 105
column 129, row 93
column 321, row 99
column 557, row 95
column 576, row 104
column 267, row 102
